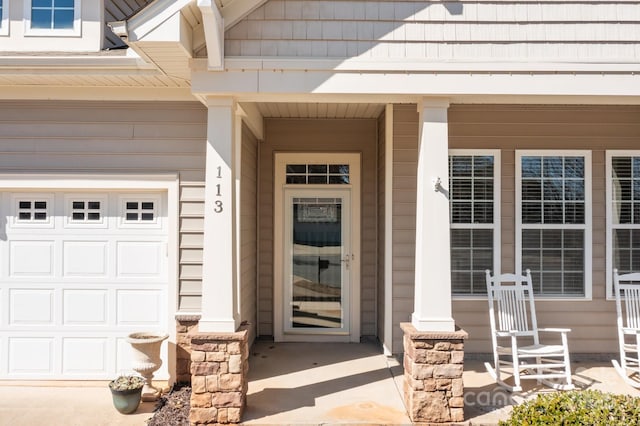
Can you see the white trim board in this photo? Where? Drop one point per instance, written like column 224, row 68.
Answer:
column 280, row 161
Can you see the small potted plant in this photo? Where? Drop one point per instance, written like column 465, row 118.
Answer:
column 126, row 391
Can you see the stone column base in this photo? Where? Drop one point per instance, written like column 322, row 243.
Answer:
column 186, row 326
column 433, row 365
column 219, row 367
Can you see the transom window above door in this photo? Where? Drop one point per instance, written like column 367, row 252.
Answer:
column 314, row 174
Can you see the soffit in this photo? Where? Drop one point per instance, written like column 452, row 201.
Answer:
column 319, row 110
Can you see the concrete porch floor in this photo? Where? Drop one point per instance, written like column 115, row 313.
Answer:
column 297, row 384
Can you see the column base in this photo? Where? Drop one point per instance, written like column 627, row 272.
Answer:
column 433, row 366
column 186, row 326
column 219, row 367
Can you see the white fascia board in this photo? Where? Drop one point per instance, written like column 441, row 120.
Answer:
column 305, row 82
column 213, row 34
column 28, row 63
column 390, row 65
column 95, row 93
column 236, row 10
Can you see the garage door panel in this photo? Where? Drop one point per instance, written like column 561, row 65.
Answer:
column 31, row 258
column 139, row 259
column 139, row 307
column 85, row 307
column 31, row 306
column 31, row 355
column 79, row 271
column 85, row 258
column 85, row 356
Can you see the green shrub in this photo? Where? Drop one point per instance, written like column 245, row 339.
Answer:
column 587, row 407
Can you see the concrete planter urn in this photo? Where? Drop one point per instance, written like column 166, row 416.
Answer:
column 146, row 359
column 126, row 392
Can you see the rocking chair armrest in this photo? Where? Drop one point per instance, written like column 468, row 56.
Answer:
column 510, row 333
column 555, row 330
column 630, row 330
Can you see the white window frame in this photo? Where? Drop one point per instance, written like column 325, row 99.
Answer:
column 48, row 32
column 496, row 226
column 587, row 226
column 609, row 215
column 32, row 197
column 4, row 18
column 68, row 214
column 123, row 223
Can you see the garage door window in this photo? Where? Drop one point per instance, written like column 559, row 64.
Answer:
column 141, row 211
column 86, row 211
column 32, row 210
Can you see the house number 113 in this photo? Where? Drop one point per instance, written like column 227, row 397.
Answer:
column 218, row 203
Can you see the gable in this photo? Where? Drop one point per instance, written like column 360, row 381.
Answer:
column 440, row 31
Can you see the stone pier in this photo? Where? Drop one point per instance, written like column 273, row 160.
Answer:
column 219, row 367
column 186, row 326
column 433, row 365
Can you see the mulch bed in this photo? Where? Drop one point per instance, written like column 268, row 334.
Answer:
column 173, row 408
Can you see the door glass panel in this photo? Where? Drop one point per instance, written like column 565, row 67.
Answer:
column 316, row 263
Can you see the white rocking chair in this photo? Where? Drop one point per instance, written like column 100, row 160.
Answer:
column 514, row 334
column 627, row 288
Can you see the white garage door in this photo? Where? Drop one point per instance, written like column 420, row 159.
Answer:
column 78, row 272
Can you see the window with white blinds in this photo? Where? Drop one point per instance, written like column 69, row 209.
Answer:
column 474, row 210
column 553, row 218
column 623, row 213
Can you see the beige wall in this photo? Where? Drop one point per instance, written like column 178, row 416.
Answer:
column 511, row 127
column 405, row 165
column 248, row 230
column 300, row 135
column 595, row 128
column 123, row 137
column 381, row 225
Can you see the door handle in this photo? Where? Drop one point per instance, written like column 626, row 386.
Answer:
column 346, row 259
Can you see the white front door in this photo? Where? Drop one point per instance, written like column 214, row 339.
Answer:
column 317, row 250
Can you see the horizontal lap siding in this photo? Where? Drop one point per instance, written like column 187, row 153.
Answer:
column 301, row 135
column 118, row 137
column 248, row 230
column 405, row 166
column 440, row 30
column 381, row 225
column 595, row 128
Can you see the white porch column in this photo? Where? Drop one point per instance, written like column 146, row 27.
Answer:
column 432, row 303
column 219, row 273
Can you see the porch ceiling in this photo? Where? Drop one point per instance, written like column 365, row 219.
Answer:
column 319, row 110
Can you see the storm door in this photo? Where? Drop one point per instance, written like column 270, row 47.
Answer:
column 316, row 247
column 317, row 260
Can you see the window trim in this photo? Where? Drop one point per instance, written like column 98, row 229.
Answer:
column 48, row 32
column 4, row 18
column 497, row 216
column 587, row 227
column 82, row 196
column 609, row 154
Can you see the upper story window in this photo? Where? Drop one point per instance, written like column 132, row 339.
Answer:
column 475, row 218
column 553, row 221
column 47, row 17
column 623, row 213
column 4, row 17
